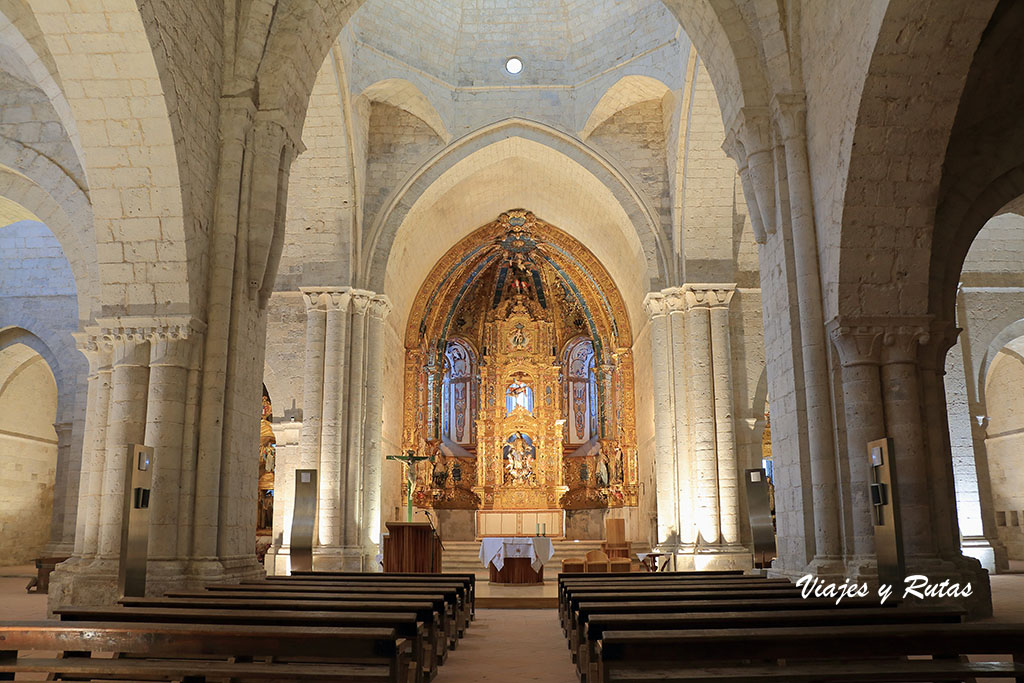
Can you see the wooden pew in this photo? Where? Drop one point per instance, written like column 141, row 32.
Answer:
column 565, row 578
column 405, row 624
column 468, row 578
column 427, row 612
column 572, row 587
column 463, row 590
column 443, row 604
column 691, row 592
column 367, row 655
column 599, row 624
column 862, row 653
column 585, row 610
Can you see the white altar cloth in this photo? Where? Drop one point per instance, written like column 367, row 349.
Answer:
column 496, row 549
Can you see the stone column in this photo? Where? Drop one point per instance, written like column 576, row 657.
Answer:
column 702, row 411
column 170, row 353
column 351, row 521
column 126, row 425
column 725, row 431
column 61, row 538
column 859, row 343
column 373, row 455
column 98, row 352
column 675, row 302
column 664, row 432
column 789, row 112
column 902, row 401
column 313, row 377
column 332, row 480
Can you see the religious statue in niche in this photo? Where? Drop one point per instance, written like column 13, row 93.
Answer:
column 520, row 457
column 439, row 474
column 267, row 457
column 518, row 395
column 521, row 274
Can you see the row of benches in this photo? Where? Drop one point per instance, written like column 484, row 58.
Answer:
column 324, row 626
column 732, row 627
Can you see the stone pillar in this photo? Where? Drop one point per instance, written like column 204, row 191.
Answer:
column 664, row 431
column 98, row 352
column 126, row 425
column 313, row 377
column 61, row 537
column 683, row 455
column 351, row 521
column 725, row 430
column 789, row 112
column 170, row 354
column 859, row 343
column 373, row 456
column 332, row 480
column 901, row 395
column 701, row 399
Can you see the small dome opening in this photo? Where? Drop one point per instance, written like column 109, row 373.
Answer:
column 513, row 65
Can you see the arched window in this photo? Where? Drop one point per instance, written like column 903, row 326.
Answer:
column 581, row 391
column 458, row 393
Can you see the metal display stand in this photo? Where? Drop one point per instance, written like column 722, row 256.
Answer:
column 138, row 480
column 304, row 520
column 886, row 513
column 759, row 512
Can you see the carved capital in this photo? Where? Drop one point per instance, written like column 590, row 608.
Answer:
column 902, row 342
column 95, row 347
column 360, row 301
column 337, row 300
column 314, row 299
column 790, row 113
column 380, row 306
column 666, row 301
column 941, row 338
column 858, row 342
column 711, row 295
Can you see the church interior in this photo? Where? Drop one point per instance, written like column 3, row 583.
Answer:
column 329, row 327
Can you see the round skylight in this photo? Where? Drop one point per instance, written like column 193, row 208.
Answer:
column 513, row 65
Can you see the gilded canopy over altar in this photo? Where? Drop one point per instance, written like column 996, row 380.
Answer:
column 519, row 375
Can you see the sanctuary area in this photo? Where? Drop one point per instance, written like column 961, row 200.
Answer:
column 329, row 326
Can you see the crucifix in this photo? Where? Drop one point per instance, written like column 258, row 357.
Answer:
column 410, row 458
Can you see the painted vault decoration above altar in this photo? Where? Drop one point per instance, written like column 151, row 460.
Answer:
column 519, row 375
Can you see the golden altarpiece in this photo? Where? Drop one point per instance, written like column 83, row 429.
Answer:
column 519, row 381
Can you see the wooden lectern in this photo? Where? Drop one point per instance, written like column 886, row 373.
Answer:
column 412, row 547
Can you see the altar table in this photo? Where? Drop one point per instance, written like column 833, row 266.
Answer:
column 516, row 559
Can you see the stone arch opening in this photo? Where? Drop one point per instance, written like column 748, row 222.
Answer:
column 28, row 451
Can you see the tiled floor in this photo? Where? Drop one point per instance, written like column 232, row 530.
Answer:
column 15, row 603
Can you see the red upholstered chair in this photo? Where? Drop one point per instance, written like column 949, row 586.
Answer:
column 597, row 561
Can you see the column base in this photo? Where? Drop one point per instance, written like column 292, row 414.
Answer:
column 687, row 558
column 991, row 554
column 80, row 582
column 960, row 570
column 57, row 550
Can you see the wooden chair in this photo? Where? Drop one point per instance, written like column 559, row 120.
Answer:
column 615, row 543
column 574, row 564
column 597, row 561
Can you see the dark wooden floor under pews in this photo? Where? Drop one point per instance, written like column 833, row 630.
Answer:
column 727, row 626
column 323, row 627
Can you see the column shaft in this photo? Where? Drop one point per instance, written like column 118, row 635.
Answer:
column 702, row 414
column 356, row 411
column 165, row 421
column 725, row 435
column 313, row 379
column 126, row 425
column 373, row 434
column 664, row 454
column 683, row 473
column 332, row 475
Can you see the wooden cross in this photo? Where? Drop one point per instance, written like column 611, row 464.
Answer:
column 410, row 458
